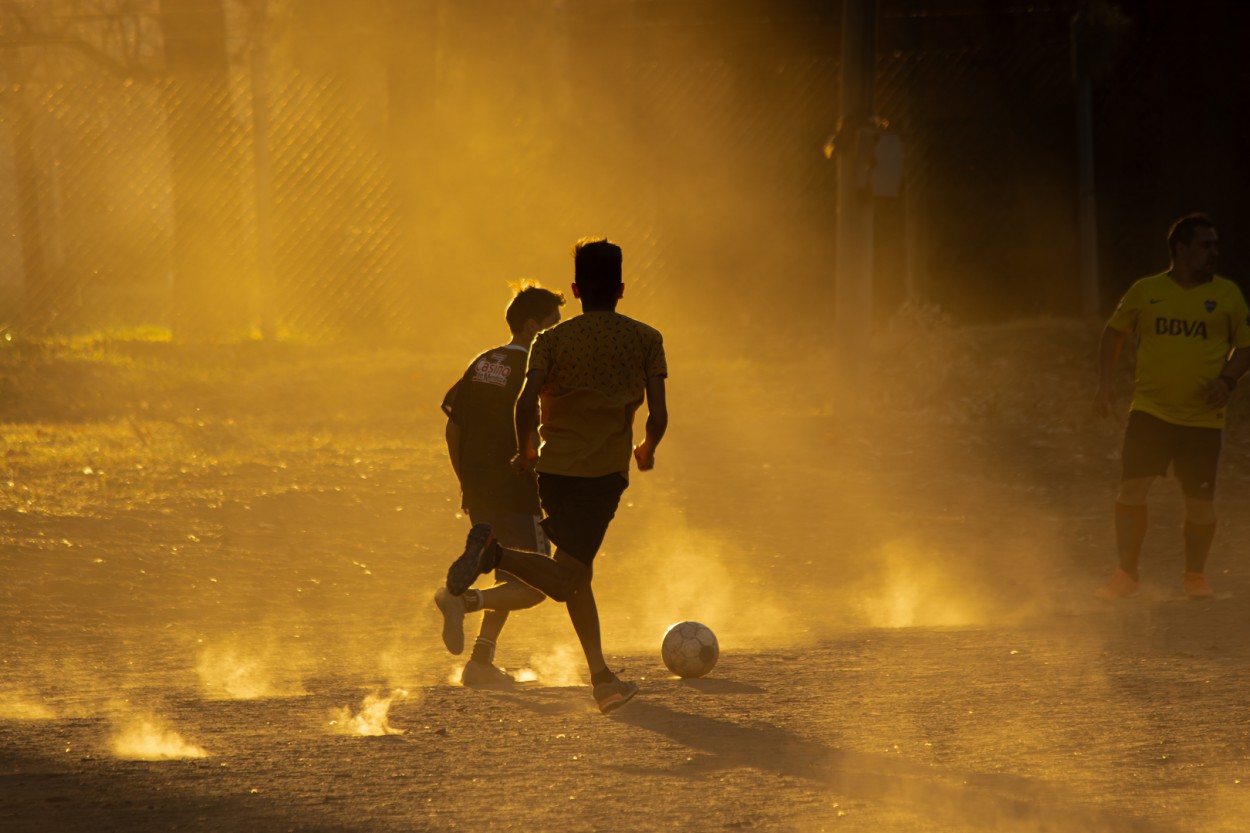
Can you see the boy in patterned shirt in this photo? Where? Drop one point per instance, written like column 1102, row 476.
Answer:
column 589, row 375
column 481, row 442
column 1193, row 333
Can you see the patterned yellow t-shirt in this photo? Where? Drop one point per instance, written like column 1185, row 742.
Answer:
column 597, row 367
column 1185, row 336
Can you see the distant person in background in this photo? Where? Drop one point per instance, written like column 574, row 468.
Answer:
column 1192, row 338
column 590, row 374
column 481, row 442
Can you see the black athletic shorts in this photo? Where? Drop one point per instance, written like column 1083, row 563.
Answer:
column 1152, row 444
column 579, row 510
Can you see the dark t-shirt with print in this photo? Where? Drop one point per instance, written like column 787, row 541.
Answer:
column 482, row 403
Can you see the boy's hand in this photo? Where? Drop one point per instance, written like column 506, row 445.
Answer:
column 644, row 455
column 524, row 460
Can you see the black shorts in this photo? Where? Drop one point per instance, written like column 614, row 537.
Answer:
column 1152, row 444
column 579, row 510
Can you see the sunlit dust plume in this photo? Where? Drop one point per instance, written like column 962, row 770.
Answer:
column 230, row 673
column 698, row 580
column 143, row 739
column 17, row 707
column 564, row 665
column 912, row 590
column 402, row 668
column 372, row 719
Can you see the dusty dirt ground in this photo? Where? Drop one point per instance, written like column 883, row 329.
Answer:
column 216, row 565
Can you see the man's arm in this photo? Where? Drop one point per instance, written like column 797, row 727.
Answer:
column 657, row 423
column 1221, row 387
column 526, row 420
column 1108, row 355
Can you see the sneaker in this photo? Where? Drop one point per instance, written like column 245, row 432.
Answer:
column 452, row 608
column 611, row 696
column 1119, row 586
column 479, row 674
column 473, row 562
column 1196, row 586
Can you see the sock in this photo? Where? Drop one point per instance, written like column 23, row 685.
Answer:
column 472, row 599
column 493, row 554
column 483, row 650
column 1197, row 544
column 604, row 676
column 1130, row 531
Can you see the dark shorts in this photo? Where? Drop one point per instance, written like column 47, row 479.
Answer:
column 515, row 531
column 1151, row 445
column 579, row 510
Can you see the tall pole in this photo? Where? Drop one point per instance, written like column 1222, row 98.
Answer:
column 209, row 292
column 266, row 291
column 1086, row 209
column 853, row 279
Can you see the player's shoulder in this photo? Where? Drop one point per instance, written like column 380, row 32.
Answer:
column 1157, row 282
column 641, row 327
column 1150, row 284
column 1227, row 286
column 486, row 355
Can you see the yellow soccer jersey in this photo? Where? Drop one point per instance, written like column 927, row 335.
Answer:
column 597, row 367
column 1184, row 338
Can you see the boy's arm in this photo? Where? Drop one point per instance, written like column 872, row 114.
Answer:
column 657, row 423
column 453, row 435
column 526, row 420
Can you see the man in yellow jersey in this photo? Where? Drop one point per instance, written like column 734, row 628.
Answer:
column 589, row 374
column 1193, row 333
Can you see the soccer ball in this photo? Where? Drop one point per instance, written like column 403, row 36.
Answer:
column 690, row 649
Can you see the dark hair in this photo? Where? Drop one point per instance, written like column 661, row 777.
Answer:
column 532, row 302
column 597, row 271
column 1182, row 231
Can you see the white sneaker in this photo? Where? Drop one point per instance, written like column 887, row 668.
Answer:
column 478, row 674
column 452, row 608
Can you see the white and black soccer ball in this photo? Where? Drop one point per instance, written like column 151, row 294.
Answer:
column 690, row 649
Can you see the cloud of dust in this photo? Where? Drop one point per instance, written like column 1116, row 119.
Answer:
column 563, row 665
column 672, row 572
column 405, row 668
column 17, row 705
column 144, row 738
column 911, row 588
column 233, row 671
column 372, row 719
column 572, row 120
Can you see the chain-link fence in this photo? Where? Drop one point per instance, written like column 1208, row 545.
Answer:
column 353, row 180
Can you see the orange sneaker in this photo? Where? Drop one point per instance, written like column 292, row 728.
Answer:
column 1120, row 585
column 1196, row 586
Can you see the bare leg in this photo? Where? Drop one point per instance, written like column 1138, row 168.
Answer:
column 1130, row 522
column 584, row 614
column 509, row 595
column 558, row 578
column 1199, row 532
column 566, row 579
column 492, row 625
column 496, row 603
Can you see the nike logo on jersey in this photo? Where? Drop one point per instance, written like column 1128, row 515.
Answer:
column 1156, row 300
column 1181, row 327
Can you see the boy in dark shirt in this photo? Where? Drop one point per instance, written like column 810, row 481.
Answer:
column 481, row 441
